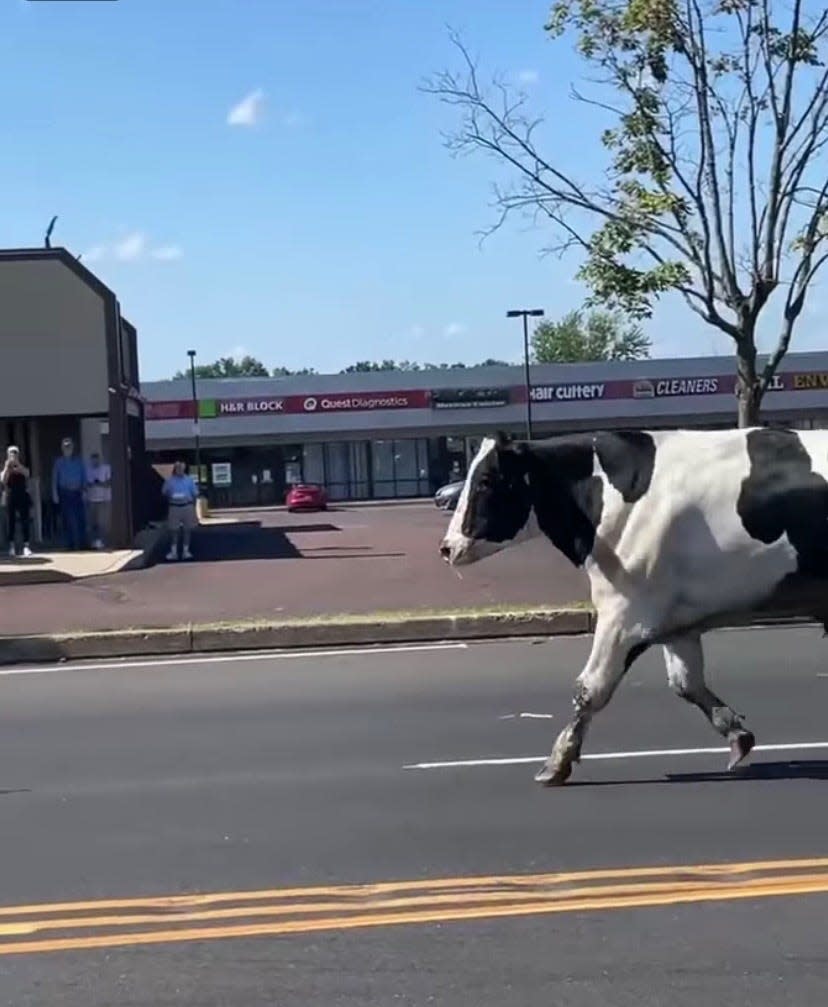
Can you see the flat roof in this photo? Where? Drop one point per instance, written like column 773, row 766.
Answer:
column 657, row 392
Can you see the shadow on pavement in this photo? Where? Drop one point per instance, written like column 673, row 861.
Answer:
column 806, row 769
column 809, row 769
column 249, row 540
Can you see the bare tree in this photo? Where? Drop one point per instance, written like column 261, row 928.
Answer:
column 716, row 184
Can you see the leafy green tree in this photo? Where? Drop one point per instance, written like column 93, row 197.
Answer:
column 598, row 335
column 286, row 372
column 229, row 367
column 715, row 185
column 370, row 366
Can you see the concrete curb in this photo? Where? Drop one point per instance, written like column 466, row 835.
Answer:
column 286, row 635
column 355, row 632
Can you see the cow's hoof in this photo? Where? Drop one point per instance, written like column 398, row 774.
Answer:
column 740, row 747
column 554, row 776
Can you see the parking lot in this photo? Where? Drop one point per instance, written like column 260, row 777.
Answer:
column 271, row 564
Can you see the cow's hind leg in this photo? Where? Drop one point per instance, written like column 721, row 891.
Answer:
column 685, row 673
column 613, row 651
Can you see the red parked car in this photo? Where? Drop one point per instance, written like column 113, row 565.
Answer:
column 307, row 496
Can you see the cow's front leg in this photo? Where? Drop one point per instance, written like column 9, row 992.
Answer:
column 685, row 673
column 614, row 649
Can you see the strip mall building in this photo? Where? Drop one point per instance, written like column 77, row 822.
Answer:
column 391, row 434
column 70, row 368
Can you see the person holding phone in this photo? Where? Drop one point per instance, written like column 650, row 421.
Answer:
column 15, row 479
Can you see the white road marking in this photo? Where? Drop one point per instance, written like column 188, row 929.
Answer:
column 527, row 716
column 162, row 662
column 604, row 756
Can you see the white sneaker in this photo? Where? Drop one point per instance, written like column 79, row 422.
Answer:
column 12, row 551
column 27, row 551
column 172, row 555
column 187, row 554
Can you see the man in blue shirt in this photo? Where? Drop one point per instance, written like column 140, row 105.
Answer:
column 181, row 493
column 68, row 484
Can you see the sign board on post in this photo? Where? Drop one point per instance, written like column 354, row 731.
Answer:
column 222, row 474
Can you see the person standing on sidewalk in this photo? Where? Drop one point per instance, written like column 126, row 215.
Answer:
column 181, row 493
column 68, row 485
column 99, row 498
column 15, row 479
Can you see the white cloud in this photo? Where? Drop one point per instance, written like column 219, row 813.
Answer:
column 248, row 111
column 453, row 330
column 292, row 119
column 528, row 76
column 131, row 247
column 167, row 253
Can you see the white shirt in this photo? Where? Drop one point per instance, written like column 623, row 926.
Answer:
column 98, row 478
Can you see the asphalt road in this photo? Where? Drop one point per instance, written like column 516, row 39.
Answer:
column 281, row 780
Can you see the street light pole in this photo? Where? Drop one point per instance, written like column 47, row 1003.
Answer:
column 525, row 314
column 191, row 354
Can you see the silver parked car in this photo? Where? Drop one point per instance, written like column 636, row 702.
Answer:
column 447, row 496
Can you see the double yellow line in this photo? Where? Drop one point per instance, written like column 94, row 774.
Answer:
column 68, row 926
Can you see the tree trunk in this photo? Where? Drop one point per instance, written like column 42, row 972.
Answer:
column 749, row 403
column 748, row 389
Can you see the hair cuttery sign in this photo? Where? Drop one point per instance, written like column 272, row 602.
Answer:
column 657, row 388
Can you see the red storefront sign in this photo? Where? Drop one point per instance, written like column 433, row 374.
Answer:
column 172, row 410
column 545, row 394
column 357, row 402
column 654, row 388
column 272, row 405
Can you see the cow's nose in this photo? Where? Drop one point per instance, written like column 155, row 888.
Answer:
column 445, row 551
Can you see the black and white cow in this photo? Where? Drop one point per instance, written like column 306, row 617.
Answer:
column 679, row 531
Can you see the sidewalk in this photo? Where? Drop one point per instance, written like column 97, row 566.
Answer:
column 274, row 565
column 56, row 567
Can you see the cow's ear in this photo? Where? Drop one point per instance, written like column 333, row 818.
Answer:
column 502, row 440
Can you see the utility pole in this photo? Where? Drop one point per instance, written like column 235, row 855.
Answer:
column 525, row 314
column 192, row 354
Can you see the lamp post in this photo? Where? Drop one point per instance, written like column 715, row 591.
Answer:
column 191, row 354
column 525, row 314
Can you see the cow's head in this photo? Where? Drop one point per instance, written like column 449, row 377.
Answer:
column 495, row 506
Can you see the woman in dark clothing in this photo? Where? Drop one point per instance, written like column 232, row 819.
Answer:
column 15, row 479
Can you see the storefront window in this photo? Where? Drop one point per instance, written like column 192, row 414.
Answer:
column 405, row 468
column 313, row 464
column 337, row 471
column 400, row 468
column 360, row 483
column 382, row 457
column 292, row 455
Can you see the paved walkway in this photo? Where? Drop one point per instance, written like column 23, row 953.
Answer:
column 277, row 565
column 48, row 567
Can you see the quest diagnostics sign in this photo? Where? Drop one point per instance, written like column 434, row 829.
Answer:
column 283, row 405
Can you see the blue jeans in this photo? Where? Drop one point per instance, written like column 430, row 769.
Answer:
column 73, row 516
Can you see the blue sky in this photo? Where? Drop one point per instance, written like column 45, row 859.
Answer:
column 265, row 176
